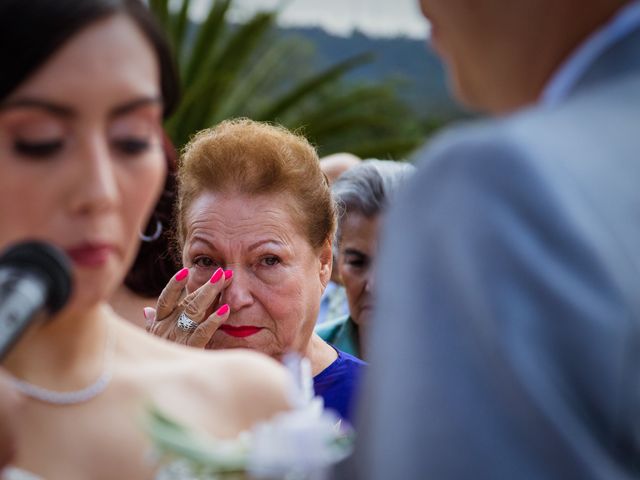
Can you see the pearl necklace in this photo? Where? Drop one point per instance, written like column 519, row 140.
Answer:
column 76, row 396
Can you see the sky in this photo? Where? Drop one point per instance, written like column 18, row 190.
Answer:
column 379, row 18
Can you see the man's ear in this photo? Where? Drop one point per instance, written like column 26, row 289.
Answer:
column 326, row 263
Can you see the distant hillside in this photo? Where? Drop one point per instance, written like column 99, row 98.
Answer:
column 417, row 71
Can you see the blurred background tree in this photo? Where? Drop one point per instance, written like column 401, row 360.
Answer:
column 247, row 69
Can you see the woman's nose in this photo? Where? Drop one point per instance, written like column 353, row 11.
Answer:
column 369, row 281
column 97, row 189
column 238, row 294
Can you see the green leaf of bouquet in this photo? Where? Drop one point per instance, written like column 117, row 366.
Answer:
column 176, row 441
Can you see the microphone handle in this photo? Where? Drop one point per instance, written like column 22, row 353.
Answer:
column 22, row 297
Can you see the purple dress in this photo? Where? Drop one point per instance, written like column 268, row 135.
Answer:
column 338, row 384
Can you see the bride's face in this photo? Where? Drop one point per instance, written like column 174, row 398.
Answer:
column 81, row 161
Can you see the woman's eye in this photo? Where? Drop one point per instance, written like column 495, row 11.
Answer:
column 270, row 261
column 38, row 149
column 357, row 262
column 131, row 146
column 204, row 262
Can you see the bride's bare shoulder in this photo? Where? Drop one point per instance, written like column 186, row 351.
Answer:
column 255, row 382
column 248, row 386
column 242, row 381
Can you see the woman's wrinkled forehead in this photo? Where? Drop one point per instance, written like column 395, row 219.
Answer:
column 235, row 216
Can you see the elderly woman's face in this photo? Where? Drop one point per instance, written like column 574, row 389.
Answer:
column 357, row 252
column 81, row 155
column 278, row 277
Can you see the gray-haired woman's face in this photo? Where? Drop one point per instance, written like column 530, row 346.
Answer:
column 357, row 252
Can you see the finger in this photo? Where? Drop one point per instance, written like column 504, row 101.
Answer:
column 202, row 335
column 149, row 317
column 170, row 296
column 195, row 305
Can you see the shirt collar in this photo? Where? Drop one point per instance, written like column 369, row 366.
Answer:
column 570, row 72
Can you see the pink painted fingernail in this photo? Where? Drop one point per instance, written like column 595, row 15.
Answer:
column 217, row 275
column 182, row 274
column 228, row 274
column 222, row 310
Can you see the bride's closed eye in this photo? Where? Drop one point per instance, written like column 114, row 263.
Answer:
column 131, row 146
column 134, row 134
column 34, row 135
column 38, row 149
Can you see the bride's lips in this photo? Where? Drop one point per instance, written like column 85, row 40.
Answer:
column 241, row 332
column 92, row 255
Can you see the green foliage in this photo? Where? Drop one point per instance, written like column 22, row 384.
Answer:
column 245, row 71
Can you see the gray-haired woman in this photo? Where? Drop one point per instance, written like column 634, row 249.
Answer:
column 363, row 194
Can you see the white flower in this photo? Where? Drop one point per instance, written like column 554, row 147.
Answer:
column 301, row 443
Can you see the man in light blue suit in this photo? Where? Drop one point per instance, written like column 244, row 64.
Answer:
column 506, row 343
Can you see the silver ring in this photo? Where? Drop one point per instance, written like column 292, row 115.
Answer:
column 186, row 324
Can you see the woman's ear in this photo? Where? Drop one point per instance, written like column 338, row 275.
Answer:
column 326, row 263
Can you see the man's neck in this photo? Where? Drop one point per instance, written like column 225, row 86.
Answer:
column 526, row 71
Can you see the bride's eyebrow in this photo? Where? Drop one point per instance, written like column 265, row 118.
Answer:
column 60, row 110
column 135, row 104
column 38, row 104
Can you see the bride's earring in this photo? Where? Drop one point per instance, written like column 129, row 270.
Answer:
column 156, row 234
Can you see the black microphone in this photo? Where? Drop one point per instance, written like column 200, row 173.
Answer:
column 35, row 279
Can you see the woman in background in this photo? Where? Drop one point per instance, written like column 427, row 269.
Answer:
column 362, row 194
column 83, row 91
column 255, row 215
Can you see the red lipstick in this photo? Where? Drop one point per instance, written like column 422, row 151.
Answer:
column 90, row 255
column 240, row 332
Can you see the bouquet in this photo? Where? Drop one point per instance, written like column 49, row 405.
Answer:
column 298, row 444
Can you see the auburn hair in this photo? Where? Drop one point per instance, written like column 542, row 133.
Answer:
column 246, row 157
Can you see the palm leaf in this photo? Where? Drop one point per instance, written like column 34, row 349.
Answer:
column 229, row 71
column 202, row 98
column 206, row 42
column 179, row 25
column 312, row 84
column 161, row 9
column 238, row 101
column 329, row 105
column 396, row 147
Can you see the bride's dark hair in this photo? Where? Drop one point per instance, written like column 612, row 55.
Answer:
column 31, row 31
